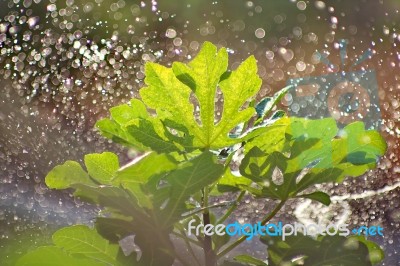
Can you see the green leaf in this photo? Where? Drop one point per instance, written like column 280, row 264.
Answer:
column 67, row 174
column 82, row 240
column 124, row 113
column 232, row 183
column 163, row 89
column 304, row 155
column 102, row 166
column 317, row 196
column 76, row 245
column 50, row 256
column 152, row 133
column 318, row 176
column 353, row 149
column 237, row 89
column 309, row 144
column 375, row 252
column 115, row 128
column 111, row 197
column 261, row 167
column 134, row 175
column 201, row 77
column 189, row 178
column 114, row 229
column 112, row 130
column 264, row 107
column 326, row 250
column 270, row 138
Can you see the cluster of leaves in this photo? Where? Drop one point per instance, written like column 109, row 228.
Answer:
column 187, row 154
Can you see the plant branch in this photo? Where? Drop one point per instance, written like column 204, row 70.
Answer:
column 223, row 204
column 243, row 238
column 232, row 208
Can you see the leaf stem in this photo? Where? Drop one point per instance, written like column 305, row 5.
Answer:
column 243, row 238
column 210, row 257
column 232, row 208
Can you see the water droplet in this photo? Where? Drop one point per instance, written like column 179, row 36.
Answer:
column 51, row 7
column 301, row 5
column 171, row 33
column 300, row 66
column 260, row 33
column 320, row 5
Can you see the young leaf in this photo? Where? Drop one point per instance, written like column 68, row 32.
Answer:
column 102, row 166
column 67, row 174
column 163, row 88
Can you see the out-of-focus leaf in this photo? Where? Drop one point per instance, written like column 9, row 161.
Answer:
column 114, row 229
column 82, row 240
column 375, row 252
column 51, row 255
column 325, row 250
column 249, row 260
column 77, row 245
column 323, row 156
